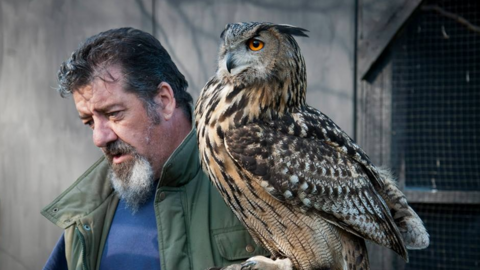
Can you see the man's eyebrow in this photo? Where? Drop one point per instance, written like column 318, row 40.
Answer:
column 103, row 109
column 107, row 107
column 84, row 117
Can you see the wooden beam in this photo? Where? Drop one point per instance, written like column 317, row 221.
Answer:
column 371, row 47
column 443, row 197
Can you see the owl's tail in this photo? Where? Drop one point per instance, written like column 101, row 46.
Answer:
column 410, row 225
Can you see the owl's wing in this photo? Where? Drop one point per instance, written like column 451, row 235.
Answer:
column 312, row 123
column 313, row 176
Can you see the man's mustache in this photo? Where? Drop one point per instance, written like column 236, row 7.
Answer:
column 117, row 147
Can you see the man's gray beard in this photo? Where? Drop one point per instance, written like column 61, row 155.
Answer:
column 133, row 181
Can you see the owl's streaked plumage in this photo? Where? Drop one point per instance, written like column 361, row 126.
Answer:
column 301, row 186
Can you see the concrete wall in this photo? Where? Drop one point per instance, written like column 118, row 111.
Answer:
column 43, row 145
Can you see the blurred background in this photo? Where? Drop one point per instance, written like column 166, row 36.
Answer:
column 402, row 77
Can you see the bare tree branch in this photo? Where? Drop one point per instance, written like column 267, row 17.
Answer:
column 452, row 16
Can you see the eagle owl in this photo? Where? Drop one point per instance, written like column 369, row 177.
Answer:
column 300, row 185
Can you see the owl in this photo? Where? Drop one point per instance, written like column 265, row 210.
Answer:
column 301, row 186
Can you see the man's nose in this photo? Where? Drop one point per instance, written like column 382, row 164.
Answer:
column 103, row 134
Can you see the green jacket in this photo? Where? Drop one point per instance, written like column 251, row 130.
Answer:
column 196, row 230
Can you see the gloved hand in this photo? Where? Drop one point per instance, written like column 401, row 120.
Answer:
column 259, row 263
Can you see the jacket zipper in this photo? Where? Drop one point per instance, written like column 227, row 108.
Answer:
column 84, row 248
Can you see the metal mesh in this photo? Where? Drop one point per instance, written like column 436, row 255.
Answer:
column 431, row 75
column 454, row 237
column 436, row 98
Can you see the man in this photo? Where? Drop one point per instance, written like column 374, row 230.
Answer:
column 146, row 204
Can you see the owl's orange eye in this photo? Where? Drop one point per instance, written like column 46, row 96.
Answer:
column 255, row 44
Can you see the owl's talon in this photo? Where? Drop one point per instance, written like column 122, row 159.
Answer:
column 248, row 265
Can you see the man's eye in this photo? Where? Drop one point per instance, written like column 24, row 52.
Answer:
column 89, row 123
column 113, row 114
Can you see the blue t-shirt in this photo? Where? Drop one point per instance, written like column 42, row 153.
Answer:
column 132, row 242
column 57, row 260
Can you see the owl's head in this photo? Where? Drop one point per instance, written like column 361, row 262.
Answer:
column 259, row 52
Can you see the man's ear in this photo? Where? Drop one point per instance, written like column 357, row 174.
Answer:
column 166, row 100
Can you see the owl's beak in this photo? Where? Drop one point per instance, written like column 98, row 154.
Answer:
column 230, row 63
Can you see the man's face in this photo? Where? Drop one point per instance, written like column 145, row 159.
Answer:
column 134, row 145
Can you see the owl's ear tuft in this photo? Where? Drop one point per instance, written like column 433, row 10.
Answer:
column 291, row 30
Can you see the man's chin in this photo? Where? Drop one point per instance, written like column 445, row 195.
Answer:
column 133, row 181
column 123, row 171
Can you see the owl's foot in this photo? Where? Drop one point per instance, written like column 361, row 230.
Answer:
column 263, row 263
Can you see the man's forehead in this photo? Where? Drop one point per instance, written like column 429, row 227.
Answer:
column 83, row 93
column 90, row 98
column 101, row 87
column 93, row 92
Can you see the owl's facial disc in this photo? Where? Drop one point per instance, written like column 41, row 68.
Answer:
column 246, row 54
column 253, row 45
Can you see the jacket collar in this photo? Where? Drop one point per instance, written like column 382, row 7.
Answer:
column 93, row 188
column 183, row 164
